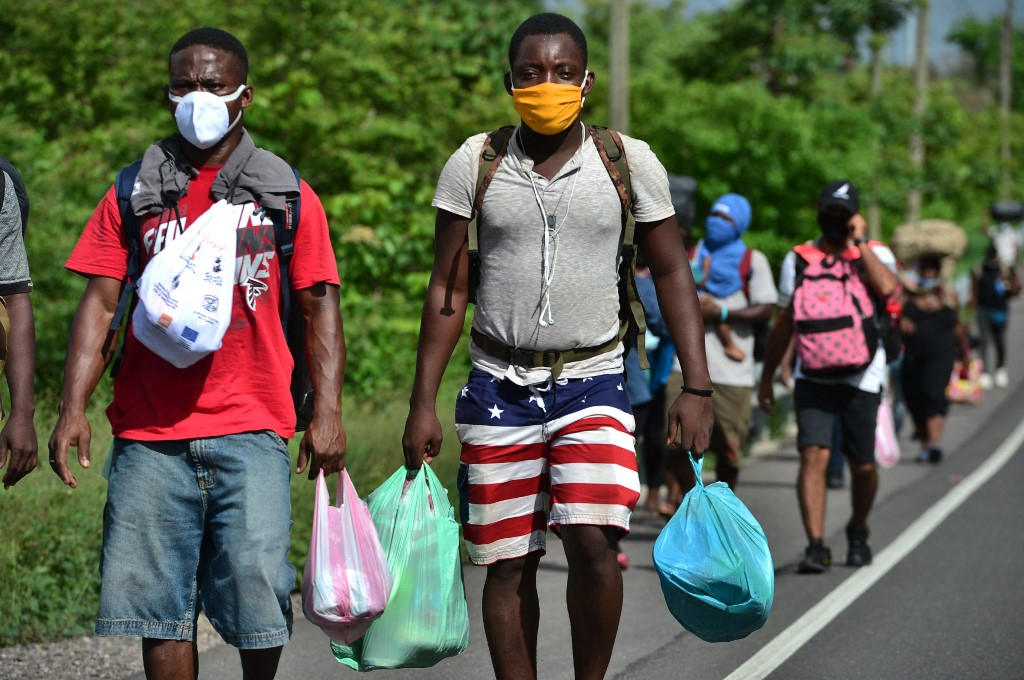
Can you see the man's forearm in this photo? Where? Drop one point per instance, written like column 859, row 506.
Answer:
column 679, row 307
column 749, row 314
column 777, row 344
column 92, row 345
column 881, row 278
column 325, row 348
column 444, row 315
column 21, row 354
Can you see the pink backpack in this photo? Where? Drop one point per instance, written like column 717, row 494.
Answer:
column 833, row 313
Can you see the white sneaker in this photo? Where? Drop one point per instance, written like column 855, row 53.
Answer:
column 1002, row 379
column 985, row 380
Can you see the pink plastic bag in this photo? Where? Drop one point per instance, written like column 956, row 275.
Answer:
column 346, row 580
column 887, row 447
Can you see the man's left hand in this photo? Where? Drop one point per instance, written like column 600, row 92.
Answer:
column 323, row 447
column 690, row 420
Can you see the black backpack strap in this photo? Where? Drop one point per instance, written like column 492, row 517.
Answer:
column 491, row 154
column 284, row 238
column 286, row 225
column 124, row 185
column 631, row 309
column 746, row 271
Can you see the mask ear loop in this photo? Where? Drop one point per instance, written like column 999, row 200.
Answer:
column 230, row 98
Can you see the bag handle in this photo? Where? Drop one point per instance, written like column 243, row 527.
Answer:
column 432, row 488
column 698, row 465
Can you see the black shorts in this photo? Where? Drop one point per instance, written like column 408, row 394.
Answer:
column 820, row 407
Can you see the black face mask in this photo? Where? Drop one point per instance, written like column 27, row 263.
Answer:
column 834, row 228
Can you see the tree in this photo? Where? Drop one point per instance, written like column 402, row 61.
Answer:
column 366, row 99
column 980, row 41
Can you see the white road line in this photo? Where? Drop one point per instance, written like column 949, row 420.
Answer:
column 783, row 646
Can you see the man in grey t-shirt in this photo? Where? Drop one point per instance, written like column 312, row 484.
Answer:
column 17, row 329
column 544, row 419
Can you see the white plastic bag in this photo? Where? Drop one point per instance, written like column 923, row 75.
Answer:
column 887, row 446
column 186, row 291
column 346, row 581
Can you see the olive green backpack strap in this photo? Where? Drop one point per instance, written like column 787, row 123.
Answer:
column 491, row 154
column 631, row 309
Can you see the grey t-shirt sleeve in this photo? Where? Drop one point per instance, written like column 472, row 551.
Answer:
column 762, row 281
column 787, row 279
column 14, row 273
column 456, row 185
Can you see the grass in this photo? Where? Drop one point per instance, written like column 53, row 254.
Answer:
column 52, row 535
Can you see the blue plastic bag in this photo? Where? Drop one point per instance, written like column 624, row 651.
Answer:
column 426, row 618
column 714, row 564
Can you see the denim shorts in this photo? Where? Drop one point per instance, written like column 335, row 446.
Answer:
column 198, row 525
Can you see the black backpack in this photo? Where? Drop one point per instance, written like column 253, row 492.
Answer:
column 285, row 224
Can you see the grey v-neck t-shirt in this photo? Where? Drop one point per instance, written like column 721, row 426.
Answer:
column 580, row 304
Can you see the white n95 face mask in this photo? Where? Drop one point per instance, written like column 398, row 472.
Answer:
column 202, row 117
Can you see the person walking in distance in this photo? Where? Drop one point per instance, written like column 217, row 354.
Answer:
column 198, row 511
column 826, row 289
column 739, row 288
column 544, row 419
column 934, row 339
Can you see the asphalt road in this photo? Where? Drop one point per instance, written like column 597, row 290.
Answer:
column 951, row 607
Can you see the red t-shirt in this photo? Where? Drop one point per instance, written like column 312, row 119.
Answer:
column 243, row 386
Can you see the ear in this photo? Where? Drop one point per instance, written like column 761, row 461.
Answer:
column 588, row 83
column 168, row 104
column 508, row 82
column 246, row 98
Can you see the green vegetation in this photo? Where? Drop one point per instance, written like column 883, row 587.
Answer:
column 368, row 100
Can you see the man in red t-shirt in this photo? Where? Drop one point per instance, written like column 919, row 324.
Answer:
column 198, row 508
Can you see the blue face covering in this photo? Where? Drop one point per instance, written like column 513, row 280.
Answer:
column 719, row 232
column 723, row 243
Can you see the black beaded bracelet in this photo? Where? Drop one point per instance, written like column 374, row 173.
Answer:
column 697, row 391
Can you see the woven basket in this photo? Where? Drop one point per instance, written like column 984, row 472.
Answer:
column 928, row 237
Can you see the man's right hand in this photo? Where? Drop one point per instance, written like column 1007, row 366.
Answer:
column 422, row 439
column 766, row 396
column 69, row 431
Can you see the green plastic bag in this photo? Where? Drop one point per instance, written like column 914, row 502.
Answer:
column 426, row 618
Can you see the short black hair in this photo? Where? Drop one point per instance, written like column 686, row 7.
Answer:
column 546, row 23
column 217, row 39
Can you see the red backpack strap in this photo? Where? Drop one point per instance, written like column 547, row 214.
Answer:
column 746, row 270
column 809, row 252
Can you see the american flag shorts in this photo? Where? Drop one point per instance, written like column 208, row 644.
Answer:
column 540, row 456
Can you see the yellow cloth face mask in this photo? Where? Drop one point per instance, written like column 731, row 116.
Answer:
column 549, row 108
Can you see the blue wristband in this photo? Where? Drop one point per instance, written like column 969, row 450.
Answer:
column 725, row 314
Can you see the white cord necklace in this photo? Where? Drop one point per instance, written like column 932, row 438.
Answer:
column 551, row 229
